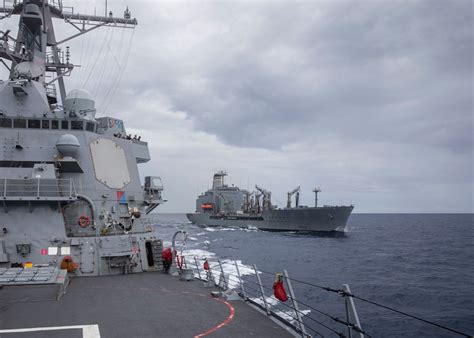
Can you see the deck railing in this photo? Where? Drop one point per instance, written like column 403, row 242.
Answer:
column 37, row 189
column 305, row 319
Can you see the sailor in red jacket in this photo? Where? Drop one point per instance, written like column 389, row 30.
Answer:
column 167, row 259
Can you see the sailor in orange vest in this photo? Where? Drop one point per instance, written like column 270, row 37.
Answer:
column 167, row 258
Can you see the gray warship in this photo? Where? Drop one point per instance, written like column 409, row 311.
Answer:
column 225, row 205
column 69, row 181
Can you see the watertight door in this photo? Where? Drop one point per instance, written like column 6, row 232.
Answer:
column 87, row 257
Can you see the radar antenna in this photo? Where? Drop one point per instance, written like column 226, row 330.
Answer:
column 29, row 53
column 316, row 190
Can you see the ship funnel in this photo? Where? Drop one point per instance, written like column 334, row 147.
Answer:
column 218, row 180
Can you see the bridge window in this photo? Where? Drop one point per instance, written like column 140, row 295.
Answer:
column 90, row 126
column 77, row 125
column 44, row 124
column 64, row 124
column 54, row 124
column 5, row 123
column 34, row 124
column 19, row 123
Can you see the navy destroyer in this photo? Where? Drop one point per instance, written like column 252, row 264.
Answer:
column 225, row 205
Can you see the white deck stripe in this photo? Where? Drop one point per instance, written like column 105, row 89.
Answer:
column 88, row 331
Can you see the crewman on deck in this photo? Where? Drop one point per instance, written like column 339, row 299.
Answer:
column 167, row 257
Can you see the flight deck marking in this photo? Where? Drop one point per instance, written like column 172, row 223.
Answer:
column 224, row 323
column 88, row 331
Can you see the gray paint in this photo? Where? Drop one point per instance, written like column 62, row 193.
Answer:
column 60, row 164
column 230, row 208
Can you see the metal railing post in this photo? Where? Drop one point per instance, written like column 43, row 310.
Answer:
column 351, row 312
column 197, row 267
column 261, row 290
column 5, row 188
column 38, row 189
column 240, row 280
column 295, row 304
column 210, row 275
column 226, row 286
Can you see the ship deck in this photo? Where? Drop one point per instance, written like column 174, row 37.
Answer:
column 136, row 305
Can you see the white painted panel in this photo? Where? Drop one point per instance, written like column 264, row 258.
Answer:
column 110, row 163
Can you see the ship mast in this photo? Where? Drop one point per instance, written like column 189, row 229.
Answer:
column 35, row 51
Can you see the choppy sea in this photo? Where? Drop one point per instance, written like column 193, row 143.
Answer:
column 422, row 264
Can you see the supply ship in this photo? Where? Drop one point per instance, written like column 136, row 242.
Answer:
column 231, row 206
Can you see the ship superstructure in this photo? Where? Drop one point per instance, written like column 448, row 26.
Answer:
column 224, row 205
column 69, row 181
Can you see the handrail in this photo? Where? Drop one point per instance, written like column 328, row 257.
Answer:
column 37, row 189
column 237, row 278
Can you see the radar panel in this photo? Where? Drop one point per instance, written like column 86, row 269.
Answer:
column 110, row 163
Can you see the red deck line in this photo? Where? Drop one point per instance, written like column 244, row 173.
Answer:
column 224, row 323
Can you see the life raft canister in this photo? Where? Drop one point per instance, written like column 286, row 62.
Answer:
column 84, row 221
column 206, row 265
column 279, row 289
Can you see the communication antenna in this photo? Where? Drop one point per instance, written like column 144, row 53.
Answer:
column 316, row 190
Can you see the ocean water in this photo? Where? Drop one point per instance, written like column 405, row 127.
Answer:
column 422, row 264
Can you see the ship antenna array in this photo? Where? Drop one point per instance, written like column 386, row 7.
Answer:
column 316, row 190
column 54, row 9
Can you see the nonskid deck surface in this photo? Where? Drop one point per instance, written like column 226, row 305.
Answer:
column 137, row 305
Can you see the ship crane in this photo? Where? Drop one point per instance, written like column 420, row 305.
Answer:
column 316, row 190
column 267, row 198
column 297, row 197
column 256, row 204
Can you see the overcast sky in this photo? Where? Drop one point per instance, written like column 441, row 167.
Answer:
column 370, row 100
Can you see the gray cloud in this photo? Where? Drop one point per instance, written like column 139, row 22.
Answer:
column 263, row 74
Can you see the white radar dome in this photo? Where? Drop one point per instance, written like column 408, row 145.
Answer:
column 68, row 145
column 79, row 102
column 29, row 69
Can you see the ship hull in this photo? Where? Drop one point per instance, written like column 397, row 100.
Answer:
column 327, row 218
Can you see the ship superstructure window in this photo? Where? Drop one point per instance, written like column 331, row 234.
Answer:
column 77, row 125
column 34, row 124
column 54, row 124
column 90, row 126
column 44, row 124
column 64, row 124
column 19, row 123
column 5, row 123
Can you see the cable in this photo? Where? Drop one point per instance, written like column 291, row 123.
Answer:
column 408, row 315
column 323, row 325
column 307, row 283
column 117, row 83
column 345, row 293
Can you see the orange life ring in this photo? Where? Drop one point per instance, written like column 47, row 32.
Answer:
column 84, row 221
